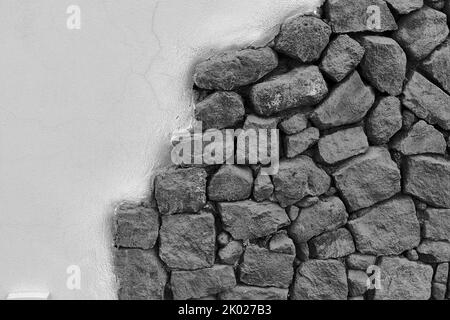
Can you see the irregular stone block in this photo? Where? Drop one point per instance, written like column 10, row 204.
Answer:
column 231, row 253
column 303, row 38
column 232, row 69
column 334, row 244
column 250, row 220
column 438, row 291
column 347, row 103
column 296, row 123
column 368, row 179
column 281, row 243
column 300, row 142
column 384, row 120
column 357, row 283
column 201, row 283
column 412, row 255
column 342, row 145
column 436, row 224
column 341, row 57
column 359, row 261
column 307, row 202
column 180, row 190
column 437, row 66
column 436, row 4
column 301, row 87
column 188, row 241
column 402, row 279
column 434, row 251
column 405, row 6
column 254, row 293
column 231, row 183
column 441, row 274
column 388, row 228
column 320, row 280
column 263, row 268
column 263, row 188
column 428, row 179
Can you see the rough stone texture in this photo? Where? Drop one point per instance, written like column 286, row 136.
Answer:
column 437, row 66
column 412, row 255
column 434, row 251
column 231, row 253
column 359, row 261
column 254, row 293
column 420, row 32
column 352, row 16
column 202, row 283
column 263, row 188
column 300, row 142
column 136, row 226
column 293, row 212
column 140, row 274
column 341, row 57
column 438, row 291
column 264, row 268
column 347, row 103
column 223, row 238
column 232, row 69
column 428, row 179
column 307, row 202
column 436, row 224
column 254, row 122
column 298, row 178
column 384, row 120
column 441, row 274
column 188, row 241
column 405, row 6
column 231, row 183
column 294, row 124
column 334, row 244
column 180, row 190
column 427, row 101
column 357, row 283
column 281, row 243
column 342, row 145
column 327, row 215
column 384, row 64
column 250, row 220
column 436, row 4
column 388, row 228
column 402, row 279
column 320, row 280
column 303, row 38
column 220, row 110
column 301, row 87
column 368, row 179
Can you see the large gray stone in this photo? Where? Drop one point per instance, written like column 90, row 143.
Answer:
column 250, row 220
column 421, row 138
column 427, row 101
column 388, row 228
column 354, row 16
column 342, row 145
column 220, row 110
column 384, row 64
column 231, row 183
column 347, row 103
column 428, row 179
column 334, row 244
column 420, row 32
column 254, row 293
column 303, row 38
column 359, row 261
column 384, row 120
column 320, row 280
column 434, row 251
column 402, row 279
column 232, row 69
column 405, row 6
column 140, row 274
column 300, row 142
column 341, row 57
column 201, row 283
column 437, row 66
column 301, row 87
column 264, row 268
column 368, row 179
column 327, row 215
column 187, row 241
column 436, row 224
column 298, row 178
column 180, row 190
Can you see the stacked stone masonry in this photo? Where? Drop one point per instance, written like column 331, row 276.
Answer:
column 364, row 175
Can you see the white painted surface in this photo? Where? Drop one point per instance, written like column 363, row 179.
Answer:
column 86, row 115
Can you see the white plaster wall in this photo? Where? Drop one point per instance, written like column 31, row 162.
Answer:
column 86, row 115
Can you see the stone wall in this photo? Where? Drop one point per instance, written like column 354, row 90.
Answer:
column 363, row 184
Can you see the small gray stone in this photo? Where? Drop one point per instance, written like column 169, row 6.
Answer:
column 264, row 268
column 231, row 253
column 232, row 69
column 438, row 291
column 250, row 220
column 263, row 188
column 302, row 250
column 341, row 57
column 405, row 6
column 294, row 124
column 281, row 243
column 437, row 66
column 320, row 280
column 334, row 244
column 292, row 212
column 301, row 87
column 441, row 274
column 420, row 32
column 384, row 120
column 408, row 119
column 359, row 261
column 303, row 38
column 347, row 103
column 231, row 183
column 428, row 179
column 357, row 283
column 434, row 251
column 436, row 225
column 307, row 202
column 254, row 293
column 342, row 145
column 412, row 255
column 300, row 142
column 201, row 283
column 255, row 122
column 384, row 64
column 223, row 238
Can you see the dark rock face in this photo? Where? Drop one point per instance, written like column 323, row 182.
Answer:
column 434, row 251
column 357, row 283
column 254, row 293
column 405, row 6
column 300, row 142
column 334, row 244
column 232, row 69
column 384, row 120
column 437, row 66
column 231, row 183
